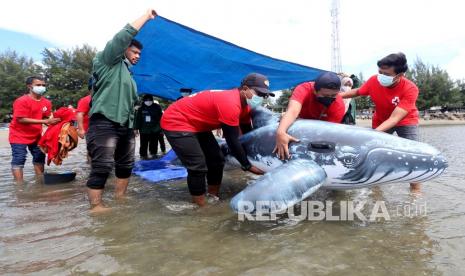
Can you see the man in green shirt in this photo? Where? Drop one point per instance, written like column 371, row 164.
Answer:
column 110, row 138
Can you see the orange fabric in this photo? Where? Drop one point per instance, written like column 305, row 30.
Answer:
column 61, row 138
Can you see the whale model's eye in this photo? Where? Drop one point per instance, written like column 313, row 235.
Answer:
column 349, row 159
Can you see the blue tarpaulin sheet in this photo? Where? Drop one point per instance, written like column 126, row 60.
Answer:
column 158, row 170
column 175, row 56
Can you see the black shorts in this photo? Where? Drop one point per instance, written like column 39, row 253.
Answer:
column 109, row 144
column 201, row 155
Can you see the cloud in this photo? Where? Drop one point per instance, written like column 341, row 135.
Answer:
column 296, row 30
column 456, row 67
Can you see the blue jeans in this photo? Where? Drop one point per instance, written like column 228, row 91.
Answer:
column 19, row 154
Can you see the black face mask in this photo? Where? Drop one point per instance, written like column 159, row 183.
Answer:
column 326, row 101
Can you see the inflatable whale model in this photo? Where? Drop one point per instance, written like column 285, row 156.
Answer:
column 328, row 156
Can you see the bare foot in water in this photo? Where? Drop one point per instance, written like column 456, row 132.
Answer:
column 121, row 199
column 99, row 209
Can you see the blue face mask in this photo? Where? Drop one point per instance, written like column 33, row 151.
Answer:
column 385, row 81
column 255, row 101
column 39, row 90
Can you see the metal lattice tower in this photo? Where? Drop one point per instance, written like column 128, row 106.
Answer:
column 336, row 65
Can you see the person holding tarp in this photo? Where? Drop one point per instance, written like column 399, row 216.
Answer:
column 188, row 124
column 110, row 138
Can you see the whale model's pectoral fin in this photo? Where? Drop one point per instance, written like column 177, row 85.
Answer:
column 281, row 188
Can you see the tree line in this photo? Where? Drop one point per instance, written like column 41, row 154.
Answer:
column 67, row 72
column 436, row 88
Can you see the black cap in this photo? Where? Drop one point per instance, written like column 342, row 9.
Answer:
column 328, row 80
column 147, row 97
column 258, row 82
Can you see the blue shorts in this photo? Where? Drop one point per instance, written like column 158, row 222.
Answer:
column 19, row 153
column 407, row 132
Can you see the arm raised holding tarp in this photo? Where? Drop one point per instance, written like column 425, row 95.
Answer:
column 116, row 47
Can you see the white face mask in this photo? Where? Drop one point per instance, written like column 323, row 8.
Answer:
column 254, row 101
column 39, row 90
column 385, row 81
column 148, row 103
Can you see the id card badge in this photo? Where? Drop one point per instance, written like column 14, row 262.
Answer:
column 147, row 119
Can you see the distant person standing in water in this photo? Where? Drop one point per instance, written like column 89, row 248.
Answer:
column 395, row 99
column 110, row 138
column 147, row 125
column 30, row 112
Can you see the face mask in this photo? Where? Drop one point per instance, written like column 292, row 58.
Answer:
column 39, row 90
column 326, row 101
column 148, row 103
column 255, row 101
column 385, row 80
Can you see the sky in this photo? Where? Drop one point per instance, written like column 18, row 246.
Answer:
column 293, row 30
column 23, row 43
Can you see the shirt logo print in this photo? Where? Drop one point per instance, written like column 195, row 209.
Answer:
column 395, row 101
column 44, row 109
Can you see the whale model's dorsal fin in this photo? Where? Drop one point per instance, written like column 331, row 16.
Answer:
column 262, row 117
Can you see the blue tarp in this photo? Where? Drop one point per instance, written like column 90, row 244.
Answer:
column 162, row 169
column 175, row 56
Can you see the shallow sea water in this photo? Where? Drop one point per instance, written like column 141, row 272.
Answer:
column 47, row 229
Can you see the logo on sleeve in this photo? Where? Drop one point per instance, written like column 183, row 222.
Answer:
column 395, row 101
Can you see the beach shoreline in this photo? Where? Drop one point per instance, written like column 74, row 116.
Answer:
column 360, row 122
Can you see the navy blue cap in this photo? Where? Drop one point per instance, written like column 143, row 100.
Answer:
column 258, row 82
column 328, row 80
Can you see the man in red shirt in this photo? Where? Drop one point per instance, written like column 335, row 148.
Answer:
column 319, row 100
column 82, row 112
column 188, row 124
column 30, row 112
column 394, row 97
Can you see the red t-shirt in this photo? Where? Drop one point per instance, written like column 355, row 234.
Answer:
column 312, row 109
column 403, row 95
column 206, row 111
column 27, row 107
column 84, row 107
